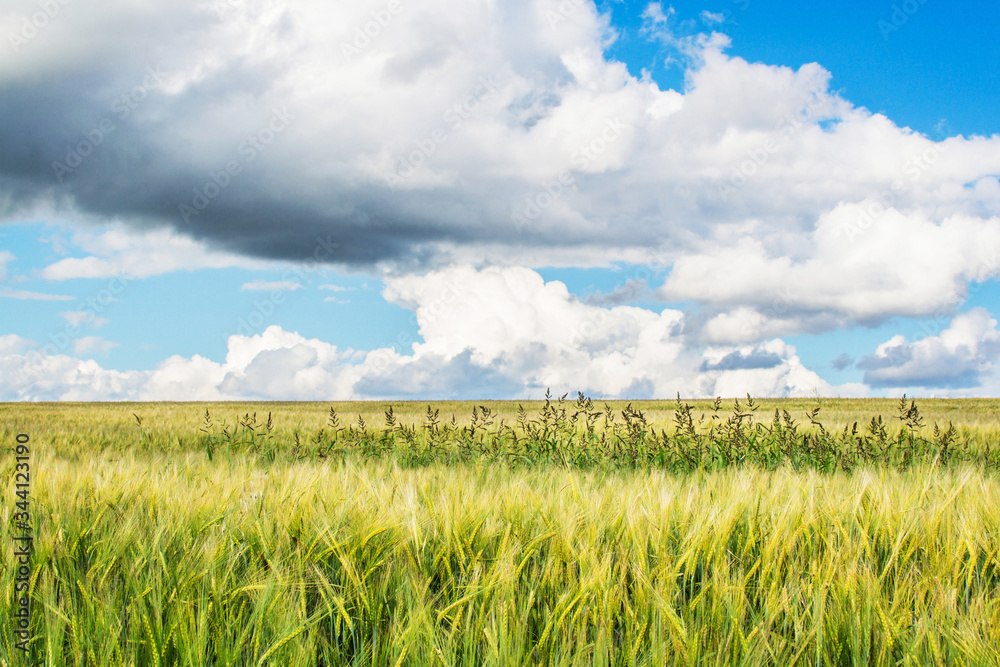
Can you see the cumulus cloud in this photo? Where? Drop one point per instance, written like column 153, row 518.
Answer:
column 274, row 364
column 281, row 285
column 461, row 117
column 11, row 344
column 631, row 290
column 36, row 376
column 496, row 332
column 121, row 251
column 474, row 133
column 961, row 357
column 90, row 345
column 843, row 273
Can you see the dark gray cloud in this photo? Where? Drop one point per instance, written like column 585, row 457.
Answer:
column 756, row 359
column 842, row 361
column 890, row 356
column 936, row 378
column 959, row 358
column 633, row 290
column 193, row 129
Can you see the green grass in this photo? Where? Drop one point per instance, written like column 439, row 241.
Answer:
column 676, row 436
column 149, row 552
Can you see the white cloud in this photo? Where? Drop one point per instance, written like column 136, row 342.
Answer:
column 744, row 324
column 654, row 15
column 841, row 273
column 6, row 257
column 139, row 254
column 260, row 285
column 11, row 344
column 753, row 183
column 335, row 288
column 7, row 293
column 36, row 376
column 961, row 357
column 89, row 345
column 273, row 364
column 750, row 164
column 488, row 333
column 79, row 318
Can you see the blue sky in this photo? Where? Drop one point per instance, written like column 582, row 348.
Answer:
column 933, row 66
column 626, row 198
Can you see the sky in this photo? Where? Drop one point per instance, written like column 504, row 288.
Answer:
column 444, row 199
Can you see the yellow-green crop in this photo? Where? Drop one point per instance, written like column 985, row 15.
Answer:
column 172, row 559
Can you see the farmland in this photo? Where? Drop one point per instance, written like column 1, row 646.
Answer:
column 568, row 532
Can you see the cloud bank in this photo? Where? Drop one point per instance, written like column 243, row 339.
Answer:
column 489, row 333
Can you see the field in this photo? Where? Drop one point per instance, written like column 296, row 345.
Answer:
column 650, row 533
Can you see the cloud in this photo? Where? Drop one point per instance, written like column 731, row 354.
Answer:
column 6, row 258
column 79, row 318
column 7, row 293
column 11, row 344
column 89, row 345
column 260, row 285
column 961, row 357
column 842, row 362
column 739, row 360
column 836, row 279
column 36, row 376
column 745, row 324
column 487, row 133
column 653, row 16
column 139, row 254
column 336, row 289
column 632, row 290
column 495, row 332
column 478, row 110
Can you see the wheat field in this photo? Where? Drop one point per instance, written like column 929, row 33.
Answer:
column 158, row 541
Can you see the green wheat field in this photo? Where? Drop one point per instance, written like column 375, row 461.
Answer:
column 564, row 532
